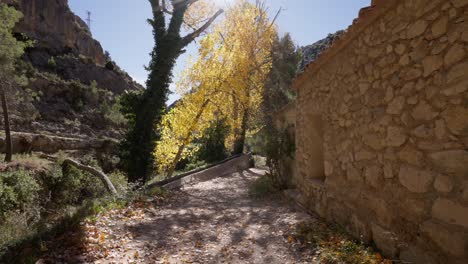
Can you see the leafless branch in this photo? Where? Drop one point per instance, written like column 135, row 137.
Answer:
column 190, row 37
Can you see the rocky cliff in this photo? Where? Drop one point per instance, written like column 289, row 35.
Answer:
column 73, row 86
column 311, row 52
column 55, row 27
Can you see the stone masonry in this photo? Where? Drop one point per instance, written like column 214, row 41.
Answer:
column 382, row 130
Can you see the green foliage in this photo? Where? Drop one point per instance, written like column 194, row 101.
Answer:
column 212, row 144
column 145, row 117
column 51, row 63
column 86, row 60
column 195, row 165
column 334, row 245
column 10, row 48
column 113, row 113
column 18, row 190
column 279, row 145
column 262, row 187
column 119, row 179
column 286, row 57
column 110, row 65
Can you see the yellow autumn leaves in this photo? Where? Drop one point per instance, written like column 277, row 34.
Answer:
column 225, row 81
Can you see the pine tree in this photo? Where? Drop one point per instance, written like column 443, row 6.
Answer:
column 10, row 52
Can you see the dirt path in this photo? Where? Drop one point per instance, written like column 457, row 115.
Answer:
column 211, row 222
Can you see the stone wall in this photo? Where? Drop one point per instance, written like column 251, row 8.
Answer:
column 382, row 130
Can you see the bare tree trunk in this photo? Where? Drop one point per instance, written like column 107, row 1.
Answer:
column 103, row 177
column 240, row 141
column 8, row 144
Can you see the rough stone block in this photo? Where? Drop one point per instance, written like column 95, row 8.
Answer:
column 411, row 156
column 424, row 111
column 373, row 176
column 459, row 3
column 415, row 179
column 451, row 161
column 450, row 212
column 396, row 136
column 439, row 28
column 417, row 29
column 443, row 184
column 456, row 118
column 385, row 240
column 457, row 72
column 452, row 242
column 374, row 141
column 432, row 64
column 456, row 88
column 455, row 54
column 396, row 106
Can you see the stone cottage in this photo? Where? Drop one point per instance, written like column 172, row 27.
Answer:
column 382, row 130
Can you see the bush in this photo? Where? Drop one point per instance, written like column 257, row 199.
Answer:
column 51, row 63
column 262, row 187
column 110, row 65
column 18, row 190
column 71, row 186
column 195, row 165
column 119, row 179
column 279, row 145
column 212, row 147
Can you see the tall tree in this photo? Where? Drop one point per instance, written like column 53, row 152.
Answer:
column 10, row 51
column 277, row 93
column 226, row 81
column 148, row 108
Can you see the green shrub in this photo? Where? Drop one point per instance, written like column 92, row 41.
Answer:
column 110, row 65
column 195, row 165
column 51, row 63
column 212, row 147
column 262, row 187
column 113, row 113
column 71, row 186
column 279, row 145
column 18, row 190
column 119, row 179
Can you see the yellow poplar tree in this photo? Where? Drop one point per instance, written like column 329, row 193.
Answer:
column 225, row 81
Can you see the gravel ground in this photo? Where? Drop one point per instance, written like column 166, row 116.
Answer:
column 216, row 221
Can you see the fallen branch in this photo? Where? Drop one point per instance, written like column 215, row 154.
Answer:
column 103, row 177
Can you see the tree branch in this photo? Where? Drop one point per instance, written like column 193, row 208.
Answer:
column 103, row 177
column 190, row 37
column 158, row 22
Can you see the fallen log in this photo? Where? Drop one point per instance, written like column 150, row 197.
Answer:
column 101, row 175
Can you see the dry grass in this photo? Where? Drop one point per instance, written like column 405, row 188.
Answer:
column 29, row 162
column 334, row 246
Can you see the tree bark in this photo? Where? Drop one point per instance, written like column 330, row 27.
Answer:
column 240, row 142
column 6, row 118
column 103, row 177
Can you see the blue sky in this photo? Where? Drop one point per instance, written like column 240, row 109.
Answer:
column 120, row 26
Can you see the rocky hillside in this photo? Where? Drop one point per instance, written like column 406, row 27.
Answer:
column 311, row 52
column 73, row 86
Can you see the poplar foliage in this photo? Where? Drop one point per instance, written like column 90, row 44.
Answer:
column 225, row 81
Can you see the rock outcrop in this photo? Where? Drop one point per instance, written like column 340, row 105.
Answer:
column 54, row 26
column 311, row 52
column 73, row 86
